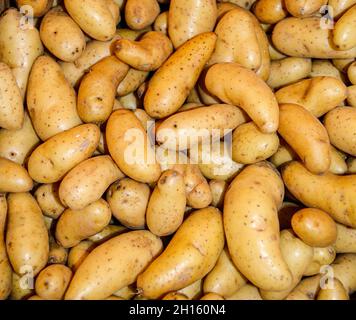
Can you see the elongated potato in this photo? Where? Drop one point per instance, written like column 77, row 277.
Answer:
column 161, row 23
column 247, row 292
column 170, row 85
column 307, row 136
column 344, row 270
column 331, row 193
column 224, row 279
column 336, row 292
column 39, row 7
column 345, row 240
column 140, row 14
column 307, row 289
column 325, row 68
column 129, row 146
column 338, row 164
column 87, row 182
column 14, row 177
column 78, row 253
column 107, row 233
column 269, row 11
column 218, row 189
column 233, row 84
column 253, row 235
column 189, row 256
column 97, row 89
column 283, row 154
column 303, row 8
column 26, row 253
column 113, row 265
column 53, row 159
column 344, row 36
column 306, row 93
column 187, row 19
column 321, row 257
column 307, row 38
column 133, row 80
column 340, row 124
column 48, row 199
column 340, row 6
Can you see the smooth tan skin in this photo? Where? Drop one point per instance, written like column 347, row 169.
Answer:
column 133, row 80
column 250, row 145
column 338, row 162
column 212, row 296
column 273, row 52
column 48, row 199
column 253, row 236
column 231, row 82
column 288, row 70
column 5, row 268
column 27, row 236
column 97, row 18
column 338, row 292
column 122, row 127
column 315, row 227
column 247, row 292
column 52, row 282
column 351, row 73
column 113, row 265
column 305, row 38
column 174, row 296
column 344, row 36
column 108, row 232
column 39, row 7
column 303, row 8
column 147, row 54
column 170, row 85
column 57, row 254
column 325, row 68
column 283, row 154
column 19, row 47
column 321, row 257
column 331, row 193
column 187, row 19
column 345, row 240
column 17, row 145
column 193, row 291
column 340, row 124
column 351, row 165
column 74, row 226
column 11, row 104
column 224, row 279
column 342, row 64
column 87, row 182
column 98, row 88
column 307, row 289
column 18, row 293
column 306, row 93
column 351, row 97
column 166, row 207
column 54, row 158
column 62, row 36
column 51, row 100
column 140, row 14
column 128, row 201
column 270, row 11
column 14, row 177
column 126, row 293
column 340, row 6
column 78, row 253
column 161, row 23
column 298, row 256
column 218, row 189
column 306, row 135
column 224, row 7
column 344, row 270
column 186, row 259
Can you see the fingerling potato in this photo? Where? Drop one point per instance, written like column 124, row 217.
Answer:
column 14, row 177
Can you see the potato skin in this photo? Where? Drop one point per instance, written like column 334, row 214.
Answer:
column 303, row 8
column 53, row 159
column 113, row 265
column 344, row 36
column 78, row 253
column 14, row 177
column 338, row 292
column 174, row 296
column 39, row 7
column 307, row 289
column 269, row 11
column 48, row 199
column 140, row 14
column 161, row 23
column 344, row 270
column 247, row 292
column 321, row 257
column 346, row 239
column 27, row 236
column 253, row 236
column 218, row 189
column 189, row 256
column 306, row 135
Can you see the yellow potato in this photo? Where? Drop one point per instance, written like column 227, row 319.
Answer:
column 336, row 292
column 351, row 73
column 273, row 52
column 212, row 296
column 218, row 189
column 344, row 269
column 304, row 8
column 224, row 7
column 5, row 268
column 338, row 164
column 88, row 181
column 270, row 11
column 241, row 3
column 133, row 80
column 351, row 165
column 331, row 193
column 307, row 289
column 52, row 282
column 140, row 14
column 39, row 7
column 48, row 199
column 344, row 36
column 283, row 154
column 253, row 235
column 161, row 23
column 27, row 236
column 126, row 293
column 325, row 68
column 113, row 265
column 174, row 296
column 130, row 101
column 247, row 292
column 321, row 257
column 306, row 135
column 108, row 232
column 146, row 121
column 345, row 240
column 342, row 64
column 170, row 85
column 351, row 96
column 57, row 253
column 193, row 291
column 35, row 297
column 340, row 6
column 78, row 253
column 22, row 287
column 189, row 256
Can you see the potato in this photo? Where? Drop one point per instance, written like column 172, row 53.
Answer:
column 298, row 256
column 283, row 154
column 17, row 145
column 345, row 240
column 331, row 193
column 170, row 85
column 35, row 297
column 57, row 253
column 97, row 90
column 344, row 36
column 78, row 253
column 187, row 19
column 351, row 165
column 126, row 293
column 324, row 68
column 136, row 160
column 306, row 93
column 304, row 8
column 161, row 23
column 344, row 270
column 273, row 52
column 253, row 235
column 333, row 291
column 315, row 227
column 351, row 96
column 62, row 36
column 27, row 236
column 307, row 289
column 230, row 82
column 224, row 7
column 288, row 70
column 108, row 232
column 140, row 14
column 338, row 164
column 97, row 18
column 88, row 181
column 307, row 38
column 113, row 265
column 343, row 64
column 5, row 268
column 241, row 3
column 128, row 201
column 189, row 256
column 147, row 54
column 218, row 189
column 270, row 11
column 250, row 145
column 48, row 199
column 146, row 121
column 351, row 72
column 52, row 282
column 174, row 296
column 193, row 291
column 321, row 257
column 340, row 124
column 306, row 135
column 212, row 296
column 54, row 158
column 340, row 6
column 247, row 292
column 39, row 7
column 224, row 279
column 11, row 104
column 166, row 207
column 22, row 287
column 92, row 219
column 19, row 47
column 133, row 80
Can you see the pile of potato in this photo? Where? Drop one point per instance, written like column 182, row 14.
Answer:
column 86, row 83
